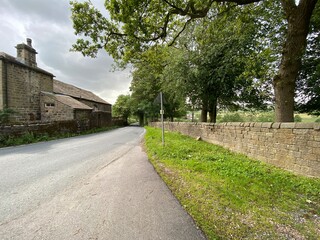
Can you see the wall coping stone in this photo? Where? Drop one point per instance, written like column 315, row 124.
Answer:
column 266, row 124
column 288, row 125
column 305, row 125
column 276, row 125
column 258, row 124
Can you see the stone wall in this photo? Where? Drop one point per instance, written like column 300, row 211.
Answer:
column 41, row 128
column 292, row 146
column 2, row 84
column 96, row 106
column 24, row 85
column 53, row 110
column 100, row 119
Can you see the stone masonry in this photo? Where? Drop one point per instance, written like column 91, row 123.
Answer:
column 36, row 97
column 21, row 82
column 291, row 146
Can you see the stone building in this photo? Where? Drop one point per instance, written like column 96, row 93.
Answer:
column 35, row 96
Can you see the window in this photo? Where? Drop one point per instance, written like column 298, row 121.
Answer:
column 49, row 104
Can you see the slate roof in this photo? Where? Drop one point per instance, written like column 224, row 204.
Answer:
column 70, row 90
column 69, row 101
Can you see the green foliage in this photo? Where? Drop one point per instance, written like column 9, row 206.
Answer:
column 232, row 117
column 148, row 81
column 309, row 79
column 231, row 196
column 122, row 107
column 297, row 118
column 5, row 114
column 317, row 120
column 236, row 46
column 266, row 117
column 30, row 137
column 246, row 117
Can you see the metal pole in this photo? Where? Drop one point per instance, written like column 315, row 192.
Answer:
column 161, row 113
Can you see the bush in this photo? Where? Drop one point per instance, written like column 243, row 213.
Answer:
column 266, row 117
column 5, row 114
column 297, row 118
column 317, row 120
column 232, row 117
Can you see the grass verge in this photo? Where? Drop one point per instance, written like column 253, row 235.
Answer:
column 233, row 197
column 29, row 137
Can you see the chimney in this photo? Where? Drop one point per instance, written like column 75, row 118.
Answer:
column 26, row 53
column 29, row 42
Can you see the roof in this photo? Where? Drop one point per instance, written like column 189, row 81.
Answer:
column 16, row 61
column 70, row 90
column 69, row 101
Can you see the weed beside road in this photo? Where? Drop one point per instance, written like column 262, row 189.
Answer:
column 233, row 197
column 29, row 137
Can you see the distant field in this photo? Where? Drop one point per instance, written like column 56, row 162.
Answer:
column 308, row 118
column 241, row 116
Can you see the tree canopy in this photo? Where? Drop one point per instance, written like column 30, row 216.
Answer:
column 308, row 88
column 122, row 107
column 132, row 27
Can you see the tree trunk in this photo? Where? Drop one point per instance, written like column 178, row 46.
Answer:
column 213, row 111
column 141, row 119
column 284, row 82
column 204, row 112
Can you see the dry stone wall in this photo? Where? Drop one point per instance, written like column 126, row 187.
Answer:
column 291, row 146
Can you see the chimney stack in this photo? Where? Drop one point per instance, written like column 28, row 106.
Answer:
column 26, row 53
column 29, row 42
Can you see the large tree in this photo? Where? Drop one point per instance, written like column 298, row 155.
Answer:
column 148, row 82
column 136, row 25
column 308, row 97
column 122, row 107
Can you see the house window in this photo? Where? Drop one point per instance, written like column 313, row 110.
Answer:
column 49, row 104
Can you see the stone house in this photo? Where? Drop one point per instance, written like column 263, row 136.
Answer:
column 35, row 96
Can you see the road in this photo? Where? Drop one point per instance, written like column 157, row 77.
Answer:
column 98, row 186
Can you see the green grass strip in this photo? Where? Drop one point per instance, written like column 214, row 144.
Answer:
column 233, row 197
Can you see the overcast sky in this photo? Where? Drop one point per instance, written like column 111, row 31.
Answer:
column 48, row 24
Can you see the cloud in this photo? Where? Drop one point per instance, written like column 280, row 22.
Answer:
column 49, row 25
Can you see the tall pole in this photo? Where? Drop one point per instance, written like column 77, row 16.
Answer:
column 161, row 113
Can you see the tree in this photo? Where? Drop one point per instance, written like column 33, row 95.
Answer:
column 308, row 90
column 148, row 82
column 122, row 107
column 221, row 63
column 135, row 25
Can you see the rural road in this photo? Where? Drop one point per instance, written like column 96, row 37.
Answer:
column 99, row 186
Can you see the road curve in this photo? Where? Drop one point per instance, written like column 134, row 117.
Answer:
column 99, row 186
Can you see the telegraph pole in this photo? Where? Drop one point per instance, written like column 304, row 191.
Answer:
column 161, row 113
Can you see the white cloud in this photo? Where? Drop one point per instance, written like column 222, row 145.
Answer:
column 48, row 24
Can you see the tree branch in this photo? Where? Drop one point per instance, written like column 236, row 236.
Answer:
column 184, row 27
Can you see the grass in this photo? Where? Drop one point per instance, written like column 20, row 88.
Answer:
column 233, row 197
column 308, row 118
column 29, row 137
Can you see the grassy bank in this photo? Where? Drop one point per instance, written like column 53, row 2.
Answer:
column 233, row 197
column 6, row 141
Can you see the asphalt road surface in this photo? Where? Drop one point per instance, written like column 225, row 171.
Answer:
column 98, row 186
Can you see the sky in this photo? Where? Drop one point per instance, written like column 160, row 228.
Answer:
column 48, row 24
